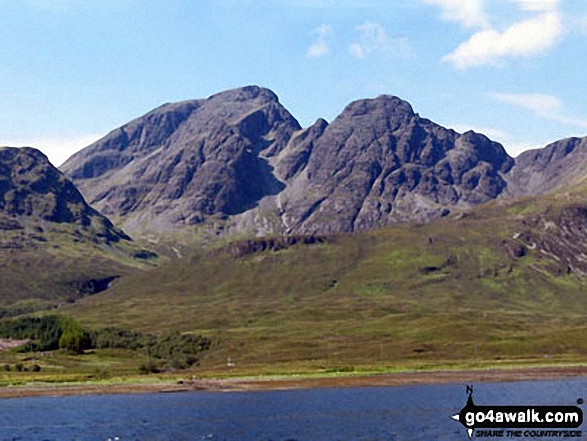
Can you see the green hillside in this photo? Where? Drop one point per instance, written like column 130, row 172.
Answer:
column 59, row 264
column 471, row 290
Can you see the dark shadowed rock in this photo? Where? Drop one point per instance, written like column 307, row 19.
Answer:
column 34, row 193
column 245, row 248
column 296, row 155
column 182, row 163
column 379, row 162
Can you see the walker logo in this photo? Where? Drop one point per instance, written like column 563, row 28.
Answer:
column 520, row 421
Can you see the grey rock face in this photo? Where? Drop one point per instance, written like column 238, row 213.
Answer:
column 379, row 162
column 239, row 157
column 183, row 162
column 32, row 191
column 555, row 166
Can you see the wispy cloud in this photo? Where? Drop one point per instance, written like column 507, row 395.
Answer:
column 57, row 149
column 489, row 46
column 468, row 13
column 542, row 105
column 374, row 40
column 320, row 47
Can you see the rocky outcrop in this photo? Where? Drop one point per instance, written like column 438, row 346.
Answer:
column 558, row 165
column 379, row 162
column 35, row 195
column 249, row 247
column 185, row 162
column 241, row 159
column 558, row 236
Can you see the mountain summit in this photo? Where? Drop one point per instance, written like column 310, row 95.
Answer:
column 239, row 162
column 184, row 162
column 379, row 162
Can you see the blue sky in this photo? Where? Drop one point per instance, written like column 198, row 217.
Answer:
column 72, row 70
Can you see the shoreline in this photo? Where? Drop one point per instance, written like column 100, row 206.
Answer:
column 301, row 382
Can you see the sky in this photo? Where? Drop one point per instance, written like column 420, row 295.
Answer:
column 73, row 70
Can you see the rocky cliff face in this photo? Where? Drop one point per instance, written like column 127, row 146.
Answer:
column 240, row 161
column 560, row 164
column 185, row 162
column 378, row 163
column 33, row 193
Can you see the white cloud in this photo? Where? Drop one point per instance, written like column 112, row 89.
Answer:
column 358, row 51
column 468, row 13
column 542, row 105
column 58, row 150
column 374, row 40
column 522, row 39
column 527, row 37
column 324, row 35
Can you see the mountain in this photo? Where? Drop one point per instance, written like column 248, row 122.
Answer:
column 239, row 164
column 558, row 165
column 241, row 159
column 491, row 285
column 182, row 163
column 379, row 163
column 53, row 245
column 34, row 193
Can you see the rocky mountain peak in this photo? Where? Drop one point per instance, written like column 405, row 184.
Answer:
column 388, row 105
column 561, row 163
column 241, row 159
column 247, row 93
column 379, row 162
column 187, row 161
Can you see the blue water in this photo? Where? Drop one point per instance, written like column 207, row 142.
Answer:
column 361, row 414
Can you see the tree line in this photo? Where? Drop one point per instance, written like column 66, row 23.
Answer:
column 52, row 332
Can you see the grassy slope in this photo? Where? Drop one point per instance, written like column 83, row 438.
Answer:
column 45, row 272
column 366, row 302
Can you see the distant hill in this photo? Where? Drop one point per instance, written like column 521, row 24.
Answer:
column 558, row 165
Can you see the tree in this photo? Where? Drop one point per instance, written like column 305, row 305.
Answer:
column 73, row 338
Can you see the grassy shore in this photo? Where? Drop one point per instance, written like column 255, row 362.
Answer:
column 174, row 383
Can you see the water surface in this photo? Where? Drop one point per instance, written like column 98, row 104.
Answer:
column 362, row 414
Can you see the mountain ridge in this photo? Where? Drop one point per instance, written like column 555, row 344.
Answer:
column 238, row 163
